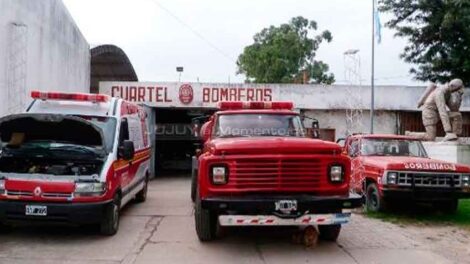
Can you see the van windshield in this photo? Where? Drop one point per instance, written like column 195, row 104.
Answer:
column 107, row 125
column 259, row 125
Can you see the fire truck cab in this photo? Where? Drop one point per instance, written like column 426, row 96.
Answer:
column 389, row 169
column 258, row 168
column 73, row 158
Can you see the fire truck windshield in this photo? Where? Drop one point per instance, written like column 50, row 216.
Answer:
column 259, row 125
column 392, row 147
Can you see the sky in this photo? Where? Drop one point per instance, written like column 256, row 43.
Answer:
column 207, row 36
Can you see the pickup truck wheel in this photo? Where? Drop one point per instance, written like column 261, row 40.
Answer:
column 329, row 232
column 374, row 201
column 448, row 207
column 206, row 222
column 110, row 222
column 141, row 196
column 193, row 185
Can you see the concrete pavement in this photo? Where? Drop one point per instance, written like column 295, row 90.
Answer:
column 161, row 230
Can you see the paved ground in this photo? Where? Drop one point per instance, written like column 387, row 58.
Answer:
column 162, row 231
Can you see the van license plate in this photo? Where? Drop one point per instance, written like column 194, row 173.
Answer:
column 38, row 210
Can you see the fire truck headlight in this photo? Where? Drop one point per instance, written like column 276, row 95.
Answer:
column 392, row 178
column 336, row 174
column 466, row 181
column 219, row 175
column 89, row 189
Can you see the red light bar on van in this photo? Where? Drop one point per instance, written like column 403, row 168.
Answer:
column 255, row 105
column 97, row 98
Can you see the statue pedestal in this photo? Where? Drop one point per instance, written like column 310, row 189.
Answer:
column 456, row 152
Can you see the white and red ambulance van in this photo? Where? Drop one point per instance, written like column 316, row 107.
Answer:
column 73, row 158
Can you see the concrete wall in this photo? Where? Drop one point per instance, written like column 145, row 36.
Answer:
column 385, row 121
column 41, row 48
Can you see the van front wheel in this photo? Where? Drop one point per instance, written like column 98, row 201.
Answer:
column 110, row 222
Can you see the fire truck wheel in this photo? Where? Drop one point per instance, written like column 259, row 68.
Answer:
column 374, row 201
column 110, row 222
column 206, row 222
column 193, row 185
column 141, row 196
column 448, row 207
column 329, row 232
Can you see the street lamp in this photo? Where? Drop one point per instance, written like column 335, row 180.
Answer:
column 179, row 69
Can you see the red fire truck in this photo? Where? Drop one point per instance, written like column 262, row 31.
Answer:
column 258, row 168
column 73, row 158
column 390, row 168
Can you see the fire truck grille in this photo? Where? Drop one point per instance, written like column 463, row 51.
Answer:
column 272, row 174
column 429, row 179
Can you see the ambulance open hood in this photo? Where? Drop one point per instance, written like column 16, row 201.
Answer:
column 55, row 127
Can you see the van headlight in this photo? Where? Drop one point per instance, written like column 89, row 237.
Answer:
column 90, row 188
column 392, row 177
column 336, row 174
column 2, row 186
column 219, row 174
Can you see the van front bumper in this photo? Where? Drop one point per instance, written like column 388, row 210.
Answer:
column 61, row 213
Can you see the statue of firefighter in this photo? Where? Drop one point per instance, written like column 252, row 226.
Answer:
column 434, row 104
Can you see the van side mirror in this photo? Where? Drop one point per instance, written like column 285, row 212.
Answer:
column 126, row 150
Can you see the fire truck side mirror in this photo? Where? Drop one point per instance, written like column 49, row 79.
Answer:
column 206, row 131
column 198, row 152
column 315, row 129
column 341, row 142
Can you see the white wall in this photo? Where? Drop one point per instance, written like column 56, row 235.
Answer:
column 50, row 53
column 385, row 122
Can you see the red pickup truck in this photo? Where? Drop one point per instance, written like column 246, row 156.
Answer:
column 390, row 168
column 258, row 168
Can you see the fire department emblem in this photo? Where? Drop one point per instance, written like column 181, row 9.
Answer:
column 186, row 94
column 37, row 191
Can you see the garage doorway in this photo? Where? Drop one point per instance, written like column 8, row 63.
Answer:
column 175, row 140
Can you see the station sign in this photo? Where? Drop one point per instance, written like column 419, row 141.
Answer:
column 312, row 96
column 187, row 94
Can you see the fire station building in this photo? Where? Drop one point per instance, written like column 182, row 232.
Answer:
column 175, row 108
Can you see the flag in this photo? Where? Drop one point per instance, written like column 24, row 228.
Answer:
column 378, row 24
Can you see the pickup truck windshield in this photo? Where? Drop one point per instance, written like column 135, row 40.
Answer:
column 392, row 147
column 259, row 125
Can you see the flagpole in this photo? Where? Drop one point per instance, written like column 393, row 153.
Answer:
column 372, row 80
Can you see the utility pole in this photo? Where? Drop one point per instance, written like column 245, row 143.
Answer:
column 372, row 79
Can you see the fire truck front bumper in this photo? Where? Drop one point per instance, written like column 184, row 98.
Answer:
column 294, row 204
column 57, row 213
column 301, row 210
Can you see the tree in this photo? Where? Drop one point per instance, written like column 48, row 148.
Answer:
column 285, row 54
column 438, row 32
